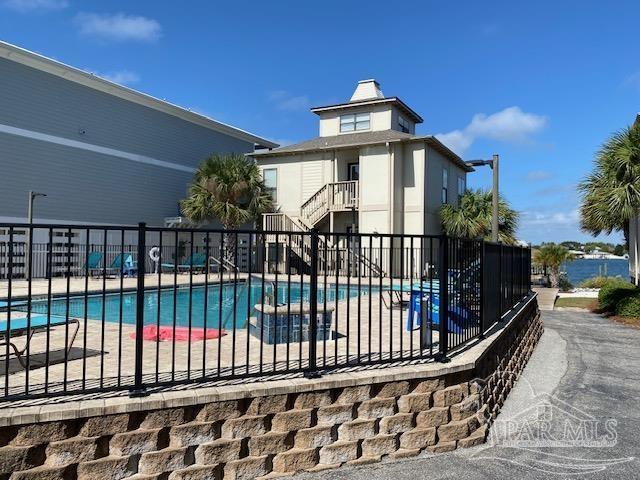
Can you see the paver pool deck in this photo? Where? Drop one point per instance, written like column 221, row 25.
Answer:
column 108, row 350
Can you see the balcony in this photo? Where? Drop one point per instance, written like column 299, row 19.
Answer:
column 332, row 197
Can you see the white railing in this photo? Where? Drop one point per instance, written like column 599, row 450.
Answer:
column 331, row 258
column 274, row 222
column 281, row 222
column 330, row 198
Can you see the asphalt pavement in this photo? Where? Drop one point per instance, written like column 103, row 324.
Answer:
column 574, row 413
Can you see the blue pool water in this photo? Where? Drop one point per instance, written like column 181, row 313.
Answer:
column 117, row 306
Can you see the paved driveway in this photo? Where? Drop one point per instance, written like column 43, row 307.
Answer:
column 575, row 413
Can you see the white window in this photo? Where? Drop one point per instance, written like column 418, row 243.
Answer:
column 270, row 176
column 461, row 188
column 354, row 122
column 403, row 124
column 445, row 185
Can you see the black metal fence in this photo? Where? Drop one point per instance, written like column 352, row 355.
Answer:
column 136, row 308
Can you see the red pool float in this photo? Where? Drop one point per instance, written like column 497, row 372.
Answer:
column 180, row 334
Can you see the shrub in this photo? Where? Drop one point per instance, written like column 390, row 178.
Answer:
column 564, row 284
column 629, row 306
column 594, row 282
column 612, row 292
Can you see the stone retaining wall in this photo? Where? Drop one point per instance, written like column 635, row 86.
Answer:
column 290, row 430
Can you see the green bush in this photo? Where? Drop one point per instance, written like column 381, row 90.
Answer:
column 612, row 292
column 594, row 282
column 564, row 284
column 629, row 306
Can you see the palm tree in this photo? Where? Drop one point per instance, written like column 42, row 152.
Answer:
column 551, row 256
column 228, row 188
column 611, row 193
column 472, row 218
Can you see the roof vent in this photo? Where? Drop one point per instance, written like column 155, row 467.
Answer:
column 367, row 90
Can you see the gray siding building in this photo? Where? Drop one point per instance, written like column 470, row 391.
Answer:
column 103, row 153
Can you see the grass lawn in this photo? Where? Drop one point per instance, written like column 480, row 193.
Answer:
column 577, row 302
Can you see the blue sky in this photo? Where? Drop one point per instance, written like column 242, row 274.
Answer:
column 541, row 83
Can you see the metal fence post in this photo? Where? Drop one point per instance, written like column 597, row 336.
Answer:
column 483, row 283
column 312, row 371
column 500, row 285
column 139, row 389
column 443, row 315
column 528, row 268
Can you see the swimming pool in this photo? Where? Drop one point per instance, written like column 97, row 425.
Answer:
column 219, row 308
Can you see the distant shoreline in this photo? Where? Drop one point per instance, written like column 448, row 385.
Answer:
column 582, row 268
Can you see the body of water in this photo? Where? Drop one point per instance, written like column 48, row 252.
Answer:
column 581, row 269
column 219, row 305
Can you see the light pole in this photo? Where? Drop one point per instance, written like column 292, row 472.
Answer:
column 27, row 266
column 494, row 164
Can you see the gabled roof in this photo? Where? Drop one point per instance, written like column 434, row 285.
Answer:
column 354, row 140
column 395, row 100
column 45, row 64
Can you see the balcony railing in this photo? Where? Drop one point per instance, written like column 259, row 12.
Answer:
column 332, row 197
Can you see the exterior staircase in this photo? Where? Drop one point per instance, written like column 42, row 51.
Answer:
column 331, row 197
column 300, row 244
column 332, row 259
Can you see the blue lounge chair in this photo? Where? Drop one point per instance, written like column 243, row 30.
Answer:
column 197, row 261
column 123, row 264
column 94, row 261
column 459, row 317
column 19, row 327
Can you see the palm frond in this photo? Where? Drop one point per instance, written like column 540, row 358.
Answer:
column 228, row 188
column 472, row 218
column 611, row 193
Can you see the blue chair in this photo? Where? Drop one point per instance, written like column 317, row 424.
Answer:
column 197, row 261
column 19, row 327
column 123, row 264
column 94, row 260
column 397, row 291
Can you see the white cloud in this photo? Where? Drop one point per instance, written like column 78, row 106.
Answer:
column 538, row 175
column 283, row 100
column 509, row 125
column 549, row 220
column 456, row 140
column 556, row 222
column 123, row 77
column 27, row 6
column 118, row 27
column 550, row 225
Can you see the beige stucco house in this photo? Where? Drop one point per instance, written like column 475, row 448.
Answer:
column 367, row 170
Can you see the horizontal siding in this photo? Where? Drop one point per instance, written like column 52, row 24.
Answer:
column 311, row 178
column 85, row 186
column 36, row 100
